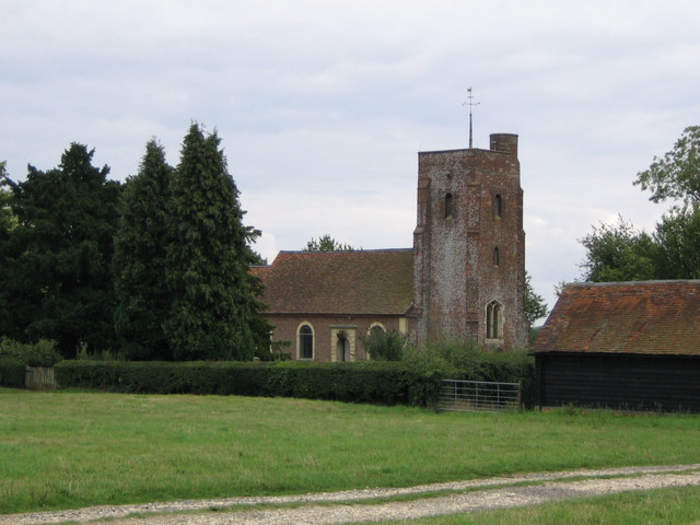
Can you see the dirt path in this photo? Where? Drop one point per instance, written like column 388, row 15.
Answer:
column 548, row 486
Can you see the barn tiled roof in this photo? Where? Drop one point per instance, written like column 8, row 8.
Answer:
column 352, row 282
column 646, row 317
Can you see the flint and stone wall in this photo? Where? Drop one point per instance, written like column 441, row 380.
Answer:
column 455, row 272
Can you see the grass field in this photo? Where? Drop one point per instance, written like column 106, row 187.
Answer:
column 667, row 506
column 63, row 449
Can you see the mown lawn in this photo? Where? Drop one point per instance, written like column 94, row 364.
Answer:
column 63, row 449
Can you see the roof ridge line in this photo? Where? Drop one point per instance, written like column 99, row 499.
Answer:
column 631, row 283
column 358, row 250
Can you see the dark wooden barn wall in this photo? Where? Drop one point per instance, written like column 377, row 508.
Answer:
column 628, row 382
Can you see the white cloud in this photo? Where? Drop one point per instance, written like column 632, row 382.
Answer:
column 322, row 106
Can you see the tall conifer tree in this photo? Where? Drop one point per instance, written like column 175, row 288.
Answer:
column 139, row 259
column 214, row 313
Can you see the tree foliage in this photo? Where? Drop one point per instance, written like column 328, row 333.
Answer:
column 677, row 174
column 214, row 313
column 140, row 246
column 618, row 253
column 677, row 238
column 326, row 243
column 535, row 307
column 621, row 253
column 56, row 274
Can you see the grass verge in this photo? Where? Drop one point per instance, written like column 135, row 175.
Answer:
column 68, row 449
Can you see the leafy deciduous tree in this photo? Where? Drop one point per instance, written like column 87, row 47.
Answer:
column 618, row 253
column 326, row 243
column 535, row 307
column 677, row 238
column 677, row 174
column 7, row 219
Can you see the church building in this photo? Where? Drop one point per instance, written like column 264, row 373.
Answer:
column 463, row 278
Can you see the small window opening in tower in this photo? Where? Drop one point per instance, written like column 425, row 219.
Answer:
column 449, row 205
column 498, row 205
column 496, row 256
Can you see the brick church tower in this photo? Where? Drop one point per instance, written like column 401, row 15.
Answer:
column 469, row 245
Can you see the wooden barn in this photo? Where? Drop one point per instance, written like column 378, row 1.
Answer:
column 631, row 345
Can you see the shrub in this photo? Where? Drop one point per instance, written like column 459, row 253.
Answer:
column 385, row 346
column 42, row 353
column 467, row 360
column 11, row 372
column 362, row 382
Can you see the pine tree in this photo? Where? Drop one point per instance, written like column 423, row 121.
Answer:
column 139, row 259
column 214, row 313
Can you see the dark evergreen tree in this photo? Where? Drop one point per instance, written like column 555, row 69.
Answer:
column 139, row 259
column 56, row 274
column 214, row 311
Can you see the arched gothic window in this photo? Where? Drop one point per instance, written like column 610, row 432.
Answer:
column 494, row 320
column 376, row 329
column 305, row 342
column 496, row 256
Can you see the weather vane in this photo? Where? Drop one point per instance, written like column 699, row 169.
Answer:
column 470, row 104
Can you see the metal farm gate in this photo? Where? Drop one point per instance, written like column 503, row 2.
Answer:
column 461, row 395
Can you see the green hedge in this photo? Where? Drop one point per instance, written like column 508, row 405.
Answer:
column 11, row 373
column 413, row 381
column 363, row 382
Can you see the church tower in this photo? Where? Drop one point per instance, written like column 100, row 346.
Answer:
column 469, row 246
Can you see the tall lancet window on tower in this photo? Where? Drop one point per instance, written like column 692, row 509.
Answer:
column 498, row 206
column 494, row 320
column 496, row 257
column 449, row 205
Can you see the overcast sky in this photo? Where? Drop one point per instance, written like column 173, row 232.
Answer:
column 323, row 106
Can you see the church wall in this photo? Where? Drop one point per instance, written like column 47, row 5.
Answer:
column 326, row 328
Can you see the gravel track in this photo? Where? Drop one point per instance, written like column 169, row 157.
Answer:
column 549, row 488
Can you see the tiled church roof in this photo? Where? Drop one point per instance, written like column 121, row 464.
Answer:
column 352, row 282
column 646, row 317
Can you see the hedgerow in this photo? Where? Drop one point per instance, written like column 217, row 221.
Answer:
column 363, row 382
column 415, row 381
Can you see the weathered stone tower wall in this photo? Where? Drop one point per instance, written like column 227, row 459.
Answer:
column 469, row 245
